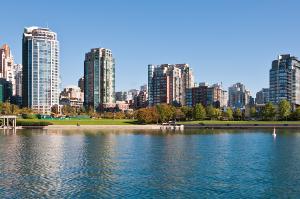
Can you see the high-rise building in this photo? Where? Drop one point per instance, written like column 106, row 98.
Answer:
column 5, row 90
column 262, row 96
column 99, row 78
column 40, row 88
column 17, row 83
column 9, row 70
column 167, row 83
column 285, row 80
column 6, row 62
column 81, row 84
column 238, row 96
column 215, row 96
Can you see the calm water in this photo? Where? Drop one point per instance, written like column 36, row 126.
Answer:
column 95, row 164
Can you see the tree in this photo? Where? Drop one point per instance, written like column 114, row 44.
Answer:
column 228, row 113
column 253, row 112
column 268, row 111
column 120, row 115
column 217, row 113
column 178, row 114
column 296, row 114
column 188, row 112
column 165, row 112
column 284, row 109
column 210, row 111
column 147, row 115
column 199, row 112
column 68, row 110
column 238, row 114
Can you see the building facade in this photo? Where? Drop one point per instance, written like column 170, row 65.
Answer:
column 6, row 62
column 167, row 83
column 81, row 84
column 40, row 57
column 285, row 80
column 238, row 96
column 5, row 90
column 99, row 78
column 9, row 70
column 262, row 96
column 207, row 95
column 71, row 96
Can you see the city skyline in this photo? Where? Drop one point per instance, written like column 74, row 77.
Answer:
column 209, row 37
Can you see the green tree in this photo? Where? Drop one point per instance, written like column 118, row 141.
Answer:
column 210, row 112
column 229, row 113
column 199, row 112
column 217, row 113
column 237, row 114
column 165, row 112
column 178, row 114
column 188, row 112
column 68, row 110
column 253, row 112
column 284, row 109
column 296, row 114
column 268, row 111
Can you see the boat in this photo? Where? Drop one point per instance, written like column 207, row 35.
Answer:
column 274, row 133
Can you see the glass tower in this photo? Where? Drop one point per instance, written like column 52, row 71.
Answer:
column 99, row 78
column 40, row 56
column 285, row 80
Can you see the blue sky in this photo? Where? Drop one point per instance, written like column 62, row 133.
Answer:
column 222, row 40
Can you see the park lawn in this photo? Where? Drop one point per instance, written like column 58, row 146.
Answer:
column 86, row 121
column 238, row 122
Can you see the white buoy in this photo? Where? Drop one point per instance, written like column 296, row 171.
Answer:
column 274, row 133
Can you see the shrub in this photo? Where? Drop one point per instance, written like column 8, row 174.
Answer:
column 29, row 116
column 33, row 123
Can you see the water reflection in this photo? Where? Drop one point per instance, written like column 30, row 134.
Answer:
column 135, row 164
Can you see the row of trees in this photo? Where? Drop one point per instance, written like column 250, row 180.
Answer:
column 163, row 113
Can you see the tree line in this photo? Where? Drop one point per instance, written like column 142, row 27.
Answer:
column 164, row 113
column 269, row 112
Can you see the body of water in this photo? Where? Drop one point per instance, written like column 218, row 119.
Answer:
column 196, row 164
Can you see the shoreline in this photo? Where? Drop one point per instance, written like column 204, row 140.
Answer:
column 100, row 127
column 160, row 127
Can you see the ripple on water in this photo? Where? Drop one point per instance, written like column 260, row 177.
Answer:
column 106, row 165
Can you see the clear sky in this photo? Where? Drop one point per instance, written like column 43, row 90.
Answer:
column 222, row 40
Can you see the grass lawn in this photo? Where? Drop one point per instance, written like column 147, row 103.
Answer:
column 86, row 121
column 238, row 122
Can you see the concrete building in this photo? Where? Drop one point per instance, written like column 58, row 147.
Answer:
column 285, row 80
column 207, row 95
column 140, row 100
column 167, row 83
column 239, row 96
column 72, row 96
column 40, row 56
column 17, row 87
column 121, row 96
column 99, row 79
column 262, row 96
column 9, row 70
column 6, row 62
